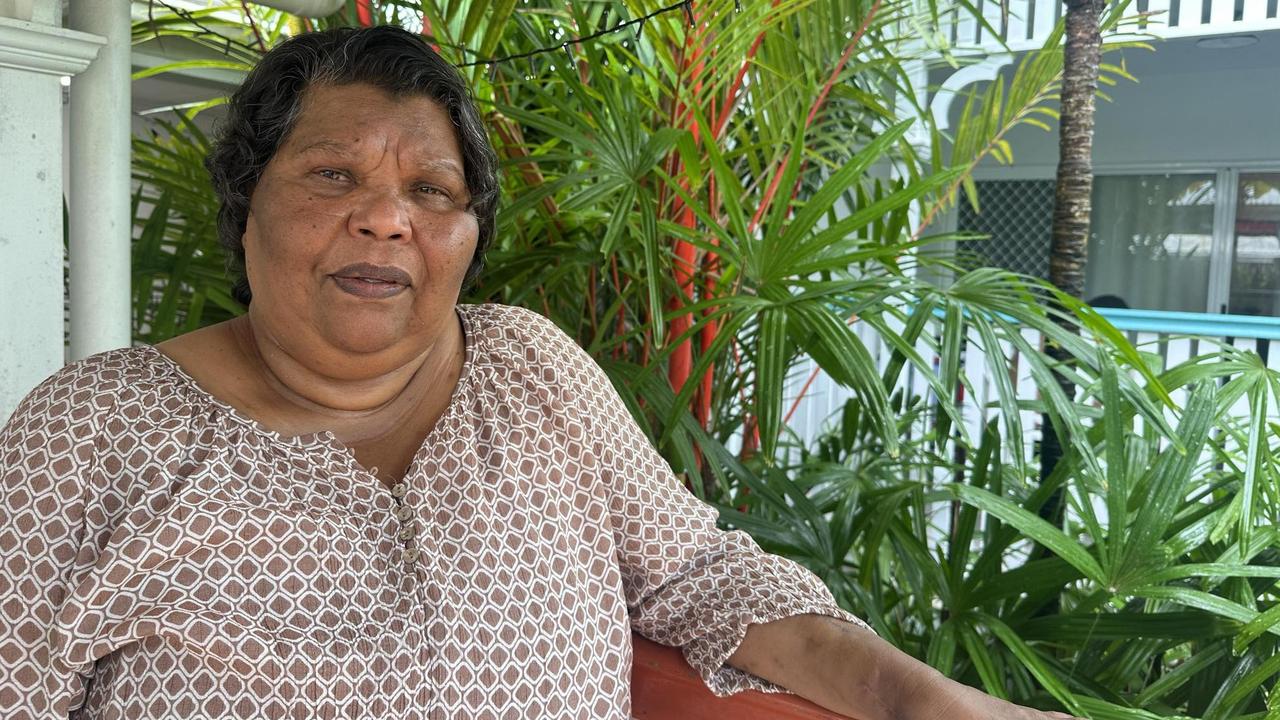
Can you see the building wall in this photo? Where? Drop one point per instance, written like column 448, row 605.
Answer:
column 1190, row 107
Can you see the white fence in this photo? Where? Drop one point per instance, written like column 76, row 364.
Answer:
column 1174, row 337
column 1024, row 24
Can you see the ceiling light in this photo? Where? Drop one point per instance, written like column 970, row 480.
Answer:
column 1226, row 42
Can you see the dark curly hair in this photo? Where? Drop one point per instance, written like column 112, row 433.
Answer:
column 262, row 113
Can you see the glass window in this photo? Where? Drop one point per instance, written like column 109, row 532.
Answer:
column 1255, row 248
column 1150, row 241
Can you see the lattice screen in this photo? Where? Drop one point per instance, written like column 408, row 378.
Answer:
column 1017, row 215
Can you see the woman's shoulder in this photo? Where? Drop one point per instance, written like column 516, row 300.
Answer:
column 528, row 329
column 520, row 346
column 95, row 380
column 81, row 396
column 507, row 319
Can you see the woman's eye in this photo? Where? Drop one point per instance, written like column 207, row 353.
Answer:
column 328, row 174
column 431, row 190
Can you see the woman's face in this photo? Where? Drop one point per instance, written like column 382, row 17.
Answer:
column 358, row 236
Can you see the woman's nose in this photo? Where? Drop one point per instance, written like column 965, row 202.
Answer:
column 381, row 214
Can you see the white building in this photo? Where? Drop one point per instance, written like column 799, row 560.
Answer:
column 1187, row 188
column 1186, row 216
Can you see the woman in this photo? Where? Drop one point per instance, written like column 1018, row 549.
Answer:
column 361, row 500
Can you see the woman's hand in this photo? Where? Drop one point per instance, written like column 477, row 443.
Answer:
column 850, row 670
column 941, row 697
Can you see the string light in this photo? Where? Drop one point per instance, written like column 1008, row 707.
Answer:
column 685, row 6
column 226, row 41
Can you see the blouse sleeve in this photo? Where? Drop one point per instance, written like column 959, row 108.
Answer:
column 687, row 582
column 46, row 456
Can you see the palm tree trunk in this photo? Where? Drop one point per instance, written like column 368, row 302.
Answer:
column 1072, row 196
column 1082, row 55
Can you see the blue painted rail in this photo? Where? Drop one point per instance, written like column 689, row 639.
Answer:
column 1174, row 336
column 1199, row 324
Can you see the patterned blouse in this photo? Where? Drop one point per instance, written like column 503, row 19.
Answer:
column 164, row 556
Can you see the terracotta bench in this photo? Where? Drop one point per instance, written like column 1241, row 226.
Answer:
column 664, row 687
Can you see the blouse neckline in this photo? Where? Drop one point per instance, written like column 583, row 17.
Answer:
column 470, row 339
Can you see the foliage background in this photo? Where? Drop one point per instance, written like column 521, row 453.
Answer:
column 702, row 205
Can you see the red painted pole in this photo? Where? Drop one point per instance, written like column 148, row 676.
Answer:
column 364, row 12
column 680, row 365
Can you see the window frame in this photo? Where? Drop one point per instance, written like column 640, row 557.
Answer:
column 1226, row 177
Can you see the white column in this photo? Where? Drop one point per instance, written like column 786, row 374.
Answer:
column 917, row 72
column 100, row 218
column 34, row 55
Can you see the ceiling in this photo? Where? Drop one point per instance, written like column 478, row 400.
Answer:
column 1183, row 55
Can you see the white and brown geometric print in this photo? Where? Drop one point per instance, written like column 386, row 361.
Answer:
column 164, row 556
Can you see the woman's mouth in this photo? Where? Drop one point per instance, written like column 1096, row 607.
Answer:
column 372, row 281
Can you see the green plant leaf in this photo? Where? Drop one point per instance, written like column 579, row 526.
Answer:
column 1031, row 525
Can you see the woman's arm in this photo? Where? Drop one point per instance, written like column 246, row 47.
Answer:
column 691, row 585
column 686, row 583
column 46, row 448
column 850, row 670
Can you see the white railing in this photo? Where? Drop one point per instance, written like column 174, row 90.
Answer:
column 1024, row 24
column 1174, row 337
